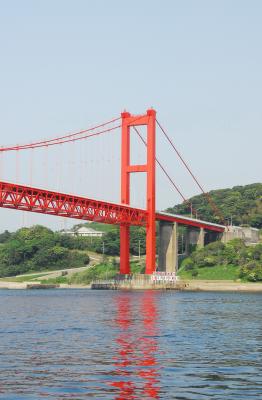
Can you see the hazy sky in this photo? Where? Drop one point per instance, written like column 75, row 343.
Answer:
column 66, row 65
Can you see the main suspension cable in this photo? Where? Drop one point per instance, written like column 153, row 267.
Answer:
column 54, row 143
column 207, row 195
column 57, row 140
column 166, row 173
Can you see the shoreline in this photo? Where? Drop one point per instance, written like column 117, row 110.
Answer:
column 222, row 286
column 184, row 285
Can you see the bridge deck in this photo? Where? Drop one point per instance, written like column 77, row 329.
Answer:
column 26, row 198
column 182, row 220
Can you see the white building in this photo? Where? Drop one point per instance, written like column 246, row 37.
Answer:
column 84, row 231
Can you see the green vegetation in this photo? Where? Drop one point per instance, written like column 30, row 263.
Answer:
column 103, row 271
column 110, row 242
column 224, row 261
column 38, row 249
column 54, row 281
column 241, row 203
column 218, row 272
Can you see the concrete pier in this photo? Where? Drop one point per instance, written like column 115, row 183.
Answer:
column 187, row 241
column 168, row 247
column 194, row 237
column 201, row 239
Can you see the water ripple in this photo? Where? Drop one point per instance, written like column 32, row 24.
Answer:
column 79, row 344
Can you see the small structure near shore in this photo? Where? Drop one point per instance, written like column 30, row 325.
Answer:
column 155, row 281
column 246, row 233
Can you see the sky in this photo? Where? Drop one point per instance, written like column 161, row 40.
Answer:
column 67, row 65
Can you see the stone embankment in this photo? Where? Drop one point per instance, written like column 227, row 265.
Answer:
column 137, row 282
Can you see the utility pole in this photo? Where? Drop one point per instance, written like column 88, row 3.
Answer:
column 103, row 250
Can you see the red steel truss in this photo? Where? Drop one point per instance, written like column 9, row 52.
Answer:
column 65, row 205
column 26, row 198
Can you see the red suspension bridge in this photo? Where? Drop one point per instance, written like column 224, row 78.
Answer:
column 37, row 200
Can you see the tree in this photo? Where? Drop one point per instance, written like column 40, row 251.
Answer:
column 38, row 248
column 241, row 203
column 5, row 236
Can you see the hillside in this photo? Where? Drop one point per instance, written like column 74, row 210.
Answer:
column 233, row 260
column 37, row 249
column 241, row 203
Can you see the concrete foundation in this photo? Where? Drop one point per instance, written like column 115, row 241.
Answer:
column 168, row 247
column 247, row 234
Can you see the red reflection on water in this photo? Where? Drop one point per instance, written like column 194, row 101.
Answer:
column 137, row 371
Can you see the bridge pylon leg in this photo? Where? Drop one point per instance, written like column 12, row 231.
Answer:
column 148, row 120
column 124, row 249
column 151, row 193
column 125, row 193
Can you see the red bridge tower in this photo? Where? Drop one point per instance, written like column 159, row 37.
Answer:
column 148, row 120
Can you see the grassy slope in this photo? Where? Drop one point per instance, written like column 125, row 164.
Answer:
column 23, row 278
column 213, row 273
column 101, row 271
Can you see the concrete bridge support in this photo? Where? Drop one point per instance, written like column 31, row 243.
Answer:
column 168, row 243
column 195, row 237
column 187, row 241
column 168, row 247
column 201, row 239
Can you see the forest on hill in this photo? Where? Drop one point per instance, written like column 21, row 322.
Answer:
column 241, row 204
column 39, row 248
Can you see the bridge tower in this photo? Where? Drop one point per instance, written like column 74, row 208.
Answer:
column 148, row 120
